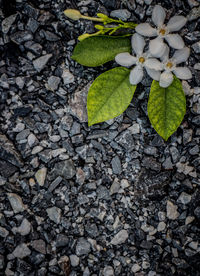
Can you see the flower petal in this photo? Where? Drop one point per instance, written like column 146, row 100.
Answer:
column 157, row 47
column 155, row 75
column 125, row 59
column 136, row 75
column 153, row 63
column 165, row 56
column 138, row 43
column 166, row 78
column 175, row 41
column 181, row 55
column 176, row 23
column 158, row 15
column 183, row 73
column 146, row 30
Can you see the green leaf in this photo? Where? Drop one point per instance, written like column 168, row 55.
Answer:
column 97, row 50
column 109, row 95
column 166, row 107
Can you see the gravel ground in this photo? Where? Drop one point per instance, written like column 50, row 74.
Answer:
column 112, row 199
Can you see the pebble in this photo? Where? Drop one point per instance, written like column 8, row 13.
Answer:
column 82, row 247
column 135, row 268
column 3, row 232
column 134, row 129
column 116, row 165
column 74, row 260
column 184, row 198
column 65, row 169
column 115, row 187
column 108, row 271
column 21, row 251
column 172, row 212
column 67, row 76
column 16, row 202
column 161, row 226
column 7, row 23
column 40, row 176
column 39, row 245
column 54, row 214
column 24, row 229
column 21, row 37
column 122, row 14
column 41, row 62
column 78, row 103
column 31, row 140
column 53, row 83
column 120, row 237
column 196, row 47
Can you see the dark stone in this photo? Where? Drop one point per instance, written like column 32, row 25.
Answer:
column 197, row 212
column 21, row 37
column 62, row 240
column 65, row 169
column 8, row 153
column 150, row 163
column 22, row 111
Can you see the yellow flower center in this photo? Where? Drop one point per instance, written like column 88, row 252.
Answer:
column 162, row 31
column 141, row 60
column 169, row 64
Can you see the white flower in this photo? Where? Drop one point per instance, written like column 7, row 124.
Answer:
column 157, row 46
column 152, row 65
column 169, row 66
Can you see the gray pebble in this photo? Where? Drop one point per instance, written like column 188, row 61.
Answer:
column 41, row 62
column 120, row 237
column 54, row 214
column 82, row 247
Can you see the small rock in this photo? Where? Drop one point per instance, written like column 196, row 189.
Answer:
column 24, row 229
column 21, row 36
column 31, row 139
column 21, row 251
column 116, row 165
column 7, row 23
column 74, row 260
column 16, row 202
column 196, row 47
column 54, row 214
column 108, row 271
column 41, row 62
column 67, row 76
column 172, row 212
column 53, row 83
column 184, row 198
column 62, row 240
column 115, row 187
column 41, row 176
column 161, row 226
column 3, row 232
column 122, row 14
column 134, row 129
column 197, row 212
column 194, row 14
column 82, row 247
column 39, row 245
column 79, row 102
column 120, row 237
column 65, row 169
column 135, row 268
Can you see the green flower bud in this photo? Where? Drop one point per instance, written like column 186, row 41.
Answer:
column 72, row 14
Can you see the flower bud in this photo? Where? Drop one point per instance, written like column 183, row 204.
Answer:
column 72, row 14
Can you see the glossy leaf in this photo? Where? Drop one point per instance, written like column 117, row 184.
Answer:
column 97, row 50
column 166, row 107
column 109, row 95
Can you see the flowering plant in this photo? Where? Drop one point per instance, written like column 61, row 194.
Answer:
column 111, row 93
